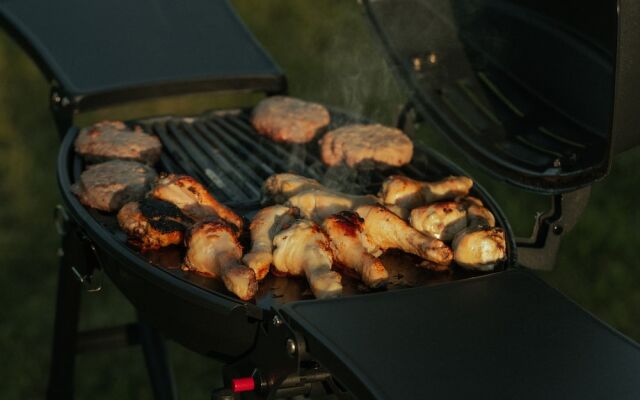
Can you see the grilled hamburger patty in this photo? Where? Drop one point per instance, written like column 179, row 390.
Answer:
column 110, row 185
column 285, row 119
column 108, row 140
column 356, row 145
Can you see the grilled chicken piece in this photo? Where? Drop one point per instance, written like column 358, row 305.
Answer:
column 264, row 226
column 366, row 145
column 401, row 212
column 152, row 224
column 410, row 193
column 214, row 250
column 303, row 249
column 440, row 220
column 286, row 119
column 108, row 140
column 110, row 185
column 477, row 214
column 280, row 187
column 318, row 204
column 388, row 231
column 479, row 249
column 193, row 199
column 345, row 233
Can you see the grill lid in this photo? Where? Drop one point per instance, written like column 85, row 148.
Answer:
column 107, row 52
column 540, row 93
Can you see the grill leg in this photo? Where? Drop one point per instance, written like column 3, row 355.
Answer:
column 61, row 372
column 157, row 361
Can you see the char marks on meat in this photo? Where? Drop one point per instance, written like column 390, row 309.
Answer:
column 213, row 250
column 110, row 185
column 193, row 199
column 108, row 140
column 152, row 224
column 350, row 248
column 366, row 145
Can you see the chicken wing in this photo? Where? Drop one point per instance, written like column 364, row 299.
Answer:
column 193, row 199
column 441, row 220
column 152, row 224
column 317, row 204
column 264, row 226
column 214, row 250
column 281, row 187
column 303, row 249
column 410, row 193
column 346, row 236
column 479, row 249
column 388, row 231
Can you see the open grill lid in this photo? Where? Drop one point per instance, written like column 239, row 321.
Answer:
column 540, row 93
column 101, row 53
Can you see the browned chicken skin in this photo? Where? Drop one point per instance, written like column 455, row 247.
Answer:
column 346, row 236
column 303, row 249
column 214, row 250
column 479, row 249
column 280, row 187
column 441, row 220
column 193, row 199
column 410, row 193
column 477, row 214
column 388, row 231
column 152, row 224
column 264, row 226
column 318, row 204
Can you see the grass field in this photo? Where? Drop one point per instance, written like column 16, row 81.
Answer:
column 328, row 57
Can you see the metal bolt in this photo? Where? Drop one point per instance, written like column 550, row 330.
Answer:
column 55, row 97
column 276, row 321
column 291, row 347
column 557, row 229
column 432, row 58
column 417, row 64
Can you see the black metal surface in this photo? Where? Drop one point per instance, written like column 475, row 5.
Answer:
column 502, row 336
column 157, row 361
column 217, row 323
column 102, row 53
column 531, row 90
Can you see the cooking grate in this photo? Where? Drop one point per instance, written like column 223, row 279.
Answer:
column 224, row 152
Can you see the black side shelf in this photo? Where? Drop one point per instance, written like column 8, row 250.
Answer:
column 504, row 335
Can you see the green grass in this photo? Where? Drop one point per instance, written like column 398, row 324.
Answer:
column 329, row 57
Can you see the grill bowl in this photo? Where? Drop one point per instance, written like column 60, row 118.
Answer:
column 196, row 311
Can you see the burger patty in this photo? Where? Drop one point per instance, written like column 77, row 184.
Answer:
column 110, row 185
column 108, row 140
column 356, row 145
column 285, row 119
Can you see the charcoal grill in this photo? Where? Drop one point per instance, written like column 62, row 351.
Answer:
column 425, row 335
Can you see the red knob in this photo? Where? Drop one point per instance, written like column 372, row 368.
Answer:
column 242, row 385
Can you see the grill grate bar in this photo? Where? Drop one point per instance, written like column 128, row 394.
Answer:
column 263, row 146
column 224, row 152
column 220, row 177
column 207, row 140
column 226, row 160
column 224, row 137
column 180, row 157
column 306, row 153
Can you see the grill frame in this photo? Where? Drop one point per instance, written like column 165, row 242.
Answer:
column 187, row 313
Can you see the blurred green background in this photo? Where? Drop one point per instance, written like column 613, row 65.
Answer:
column 329, row 57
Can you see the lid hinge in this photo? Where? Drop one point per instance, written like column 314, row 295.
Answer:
column 539, row 251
